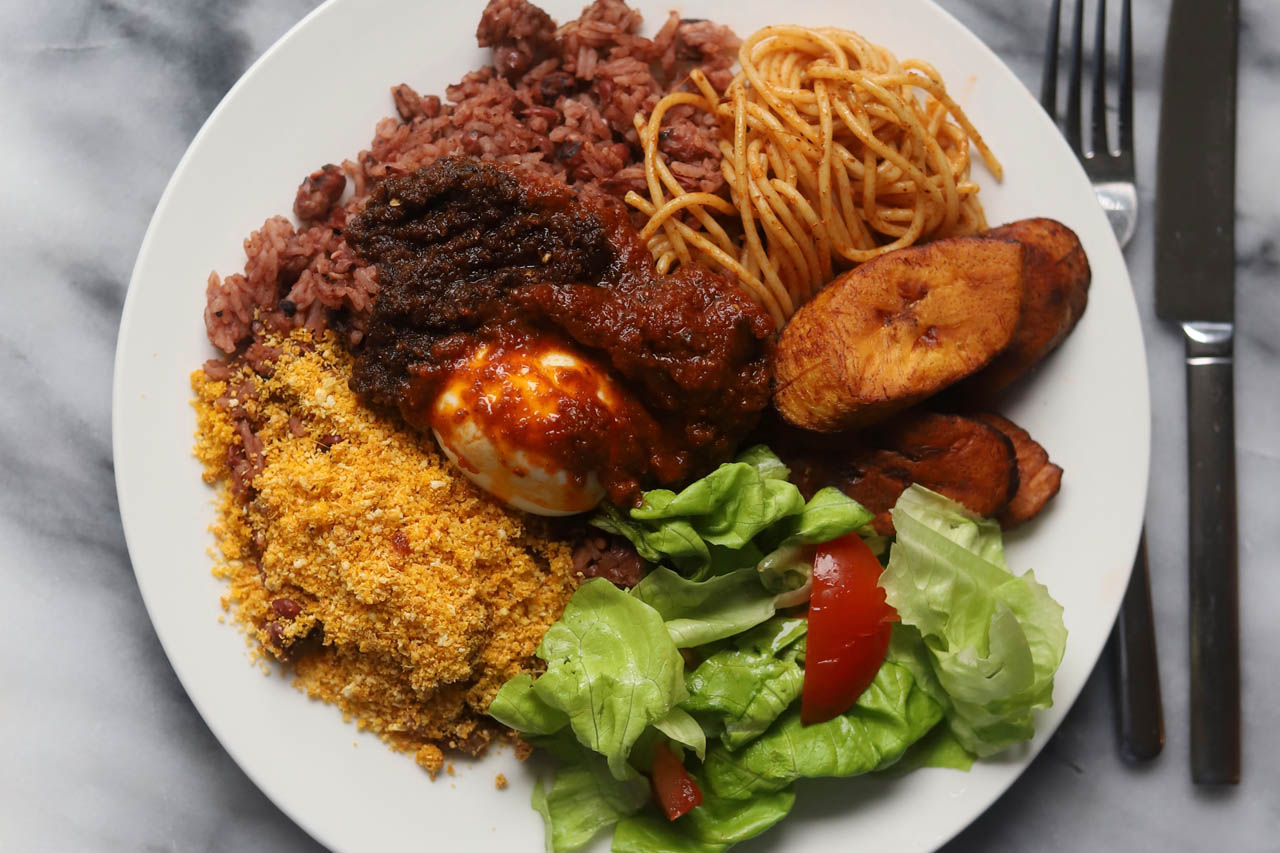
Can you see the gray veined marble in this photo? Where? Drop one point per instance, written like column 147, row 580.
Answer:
column 99, row 747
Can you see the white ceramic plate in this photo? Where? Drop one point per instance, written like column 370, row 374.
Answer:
column 314, row 98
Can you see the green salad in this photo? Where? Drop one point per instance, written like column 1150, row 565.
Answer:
column 687, row 689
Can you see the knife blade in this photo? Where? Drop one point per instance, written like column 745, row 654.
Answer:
column 1195, row 286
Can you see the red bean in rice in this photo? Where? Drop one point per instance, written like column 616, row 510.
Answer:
column 554, row 100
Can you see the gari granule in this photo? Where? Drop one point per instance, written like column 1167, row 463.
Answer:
column 392, row 587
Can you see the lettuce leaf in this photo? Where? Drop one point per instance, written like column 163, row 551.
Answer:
column 674, row 543
column 978, row 535
column 584, row 799
column 649, row 833
column 977, row 647
column 612, row 670
column 787, row 573
column 684, row 730
column 726, row 822
column 711, row 527
column 765, row 461
column 737, row 693
column 538, row 801
column 728, row 507
column 989, row 640
column 517, row 706
column 699, row 612
column 939, row 748
column 829, row 514
column 774, row 636
column 712, row 827
column 893, row 713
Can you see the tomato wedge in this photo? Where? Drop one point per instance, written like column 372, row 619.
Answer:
column 674, row 788
column 849, row 627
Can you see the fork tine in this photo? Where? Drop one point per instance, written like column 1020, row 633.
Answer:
column 1098, row 121
column 1049, row 74
column 1074, row 73
column 1126, row 80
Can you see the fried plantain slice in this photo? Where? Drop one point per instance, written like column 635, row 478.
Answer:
column 896, row 330
column 1055, row 285
column 957, row 456
column 1038, row 478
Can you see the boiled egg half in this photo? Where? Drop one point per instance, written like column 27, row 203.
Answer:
column 499, row 416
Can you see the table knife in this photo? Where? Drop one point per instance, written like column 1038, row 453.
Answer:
column 1195, row 284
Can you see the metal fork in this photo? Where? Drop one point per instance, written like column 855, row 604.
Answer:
column 1139, row 711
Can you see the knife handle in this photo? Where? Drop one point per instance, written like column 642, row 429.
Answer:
column 1215, row 626
column 1139, row 711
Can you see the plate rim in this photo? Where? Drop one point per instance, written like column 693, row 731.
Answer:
column 127, row 313
column 123, row 481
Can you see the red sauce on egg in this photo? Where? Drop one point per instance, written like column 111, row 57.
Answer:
column 528, row 392
column 471, row 255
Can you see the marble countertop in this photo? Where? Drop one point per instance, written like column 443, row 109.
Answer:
column 100, row 748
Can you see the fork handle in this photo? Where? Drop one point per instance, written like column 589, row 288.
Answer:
column 1215, row 627
column 1139, row 710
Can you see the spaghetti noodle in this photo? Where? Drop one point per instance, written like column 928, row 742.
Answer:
column 833, row 152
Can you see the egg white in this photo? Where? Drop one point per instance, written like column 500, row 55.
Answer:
column 498, row 460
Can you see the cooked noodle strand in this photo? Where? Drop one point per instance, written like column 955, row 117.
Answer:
column 833, row 152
